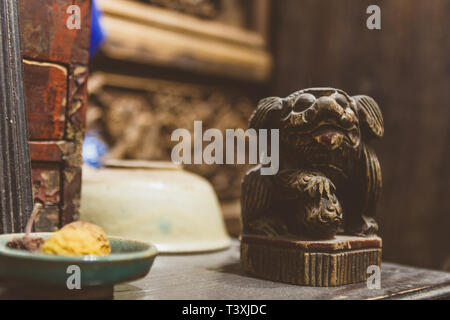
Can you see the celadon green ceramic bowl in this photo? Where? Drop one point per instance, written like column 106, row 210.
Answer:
column 128, row 261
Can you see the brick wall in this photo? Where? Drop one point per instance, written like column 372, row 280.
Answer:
column 55, row 75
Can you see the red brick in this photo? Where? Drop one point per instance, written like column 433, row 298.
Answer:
column 45, row 35
column 51, row 151
column 46, row 92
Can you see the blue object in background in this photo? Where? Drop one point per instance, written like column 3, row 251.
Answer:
column 93, row 149
column 97, row 33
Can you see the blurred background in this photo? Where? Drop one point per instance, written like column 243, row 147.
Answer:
column 165, row 63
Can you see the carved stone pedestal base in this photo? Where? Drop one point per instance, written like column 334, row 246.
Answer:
column 329, row 263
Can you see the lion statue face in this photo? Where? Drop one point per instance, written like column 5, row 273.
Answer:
column 325, row 161
column 322, row 118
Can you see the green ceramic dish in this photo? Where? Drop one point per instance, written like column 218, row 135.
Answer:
column 129, row 260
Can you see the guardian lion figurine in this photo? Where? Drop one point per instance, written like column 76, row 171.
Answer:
column 329, row 179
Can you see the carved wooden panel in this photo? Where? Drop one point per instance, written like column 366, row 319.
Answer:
column 137, row 123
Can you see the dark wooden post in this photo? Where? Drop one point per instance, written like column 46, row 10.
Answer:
column 16, row 198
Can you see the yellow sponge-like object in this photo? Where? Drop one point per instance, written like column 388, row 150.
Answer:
column 77, row 239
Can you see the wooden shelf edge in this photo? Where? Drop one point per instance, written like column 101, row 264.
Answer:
column 146, row 14
column 130, row 39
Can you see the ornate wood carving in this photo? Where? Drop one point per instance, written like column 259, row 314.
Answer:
column 16, row 199
column 329, row 176
column 136, row 115
column 329, row 179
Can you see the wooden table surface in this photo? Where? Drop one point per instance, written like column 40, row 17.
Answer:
column 219, row 276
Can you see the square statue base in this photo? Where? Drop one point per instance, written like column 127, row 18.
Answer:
column 327, row 263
